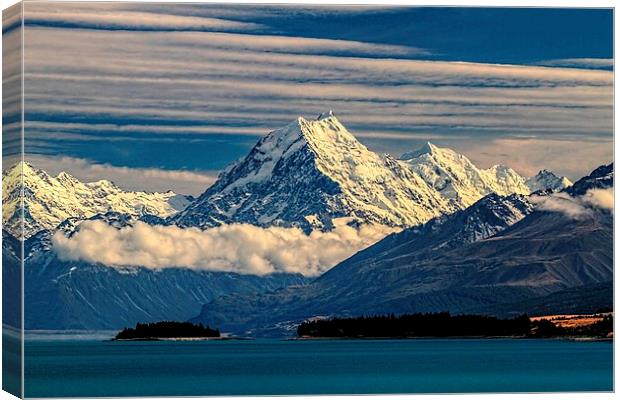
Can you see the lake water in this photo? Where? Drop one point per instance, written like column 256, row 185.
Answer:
column 90, row 368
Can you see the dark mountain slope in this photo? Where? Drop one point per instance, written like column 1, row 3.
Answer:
column 79, row 295
column 444, row 267
column 600, row 178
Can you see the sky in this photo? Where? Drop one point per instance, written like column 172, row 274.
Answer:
column 163, row 96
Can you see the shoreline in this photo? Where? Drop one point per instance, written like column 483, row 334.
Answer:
column 567, row 338
column 179, row 339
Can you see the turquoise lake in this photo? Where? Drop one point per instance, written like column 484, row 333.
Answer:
column 92, row 368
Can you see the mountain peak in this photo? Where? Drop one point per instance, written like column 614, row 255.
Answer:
column 500, row 168
column 547, row 180
column 309, row 174
column 23, row 172
column 325, row 115
column 327, row 129
column 458, row 179
column 51, row 200
column 24, row 168
column 545, row 173
column 324, row 128
column 106, row 185
column 67, row 179
column 426, row 148
column 601, row 178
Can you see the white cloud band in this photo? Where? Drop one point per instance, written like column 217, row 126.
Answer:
column 576, row 207
column 240, row 248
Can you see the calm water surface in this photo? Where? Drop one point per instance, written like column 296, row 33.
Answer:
column 87, row 368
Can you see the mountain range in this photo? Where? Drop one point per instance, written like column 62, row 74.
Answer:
column 312, row 174
column 309, row 173
column 305, row 174
column 458, row 179
column 500, row 256
column 50, row 200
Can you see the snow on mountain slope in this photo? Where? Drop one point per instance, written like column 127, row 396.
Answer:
column 492, row 256
column 309, row 173
column 601, row 178
column 458, row 179
column 48, row 200
column 483, row 219
column 547, row 180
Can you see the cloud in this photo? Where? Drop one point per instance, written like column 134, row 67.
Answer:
column 600, row 198
column 576, row 207
column 247, row 54
column 172, row 17
column 588, row 63
column 142, row 179
column 292, row 45
column 100, row 18
column 246, row 72
column 128, row 83
column 529, row 155
column 210, row 35
column 240, row 248
column 561, row 203
column 129, row 129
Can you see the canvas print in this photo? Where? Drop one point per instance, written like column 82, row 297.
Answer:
column 253, row 199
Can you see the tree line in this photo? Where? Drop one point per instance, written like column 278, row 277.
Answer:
column 167, row 329
column 443, row 324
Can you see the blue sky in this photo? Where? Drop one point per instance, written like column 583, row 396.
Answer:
column 158, row 96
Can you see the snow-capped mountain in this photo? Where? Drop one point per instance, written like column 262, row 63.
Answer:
column 309, row 173
column 600, row 178
column 458, row 179
column 547, row 180
column 49, row 200
column 500, row 256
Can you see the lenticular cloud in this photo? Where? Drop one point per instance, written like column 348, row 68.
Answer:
column 240, row 248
